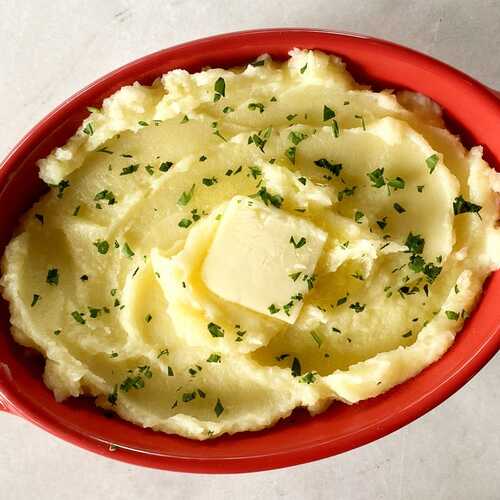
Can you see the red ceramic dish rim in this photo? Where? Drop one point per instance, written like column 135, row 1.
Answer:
column 14, row 403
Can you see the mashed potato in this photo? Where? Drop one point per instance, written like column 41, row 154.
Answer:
column 222, row 247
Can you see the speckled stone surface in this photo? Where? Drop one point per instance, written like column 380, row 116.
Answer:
column 51, row 49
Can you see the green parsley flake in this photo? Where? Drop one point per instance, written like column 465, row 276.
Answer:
column 105, row 195
column 360, row 117
column 64, row 184
column 452, row 315
column 407, row 334
column 308, row 378
column 53, row 277
column 228, row 109
column 165, row 166
column 296, row 137
column 273, row 309
column 36, row 298
column 334, row 169
column 298, row 244
column 184, row 223
column 89, row 129
column 130, row 169
column 357, row 307
column 219, row 408
column 303, row 69
column 399, row 209
column 270, row 199
column 290, row 154
column 461, row 206
column 253, row 106
column 377, row 177
column 209, row 181
column 127, row 251
column 295, row 276
column 358, row 217
column 78, row 317
column 148, row 318
column 335, row 128
column 39, row 217
column 316, row 338
column 186, row 196
column 431, row 162
column 214, row 358
column 328, row 113
column 215, row 330
column 291, row 117
column 219, row 88
column 415, row 243
column 296, row 368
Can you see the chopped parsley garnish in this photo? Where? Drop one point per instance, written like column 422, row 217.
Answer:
column 214, row 358
column 36, row 298
column 432, row 271
column 296, row 137
column 358, row 217
column 94, row 312
column 358, row 307
column 136, row 378
column 342, row 300
column 113, row 397
column 431, row 162
column 105, row 150
column 308, row 378
column 218, row 408
column 335, row 128
column 273, row 309
column 61, row 187
column 295, row 276
column 89, row 129
column 170, row 372
column 407, row 334
column 273, row 99
column 270, row 199
column 253, row 106
column 163, row 352
column 417, row 263
column 415, row 243
column 57, row 332
column 149, row 169
column 310, row 280
column 78, row 317
column 296, row 368
column 281, row 357
column 215, row 330
column 332, row 168
column 255, row 171
column 382, row 223
column 420, row 188
column 209, row 181
column 290, row 154
column 396, row 183
column 298, row 244
column 399, row 209
column 303, row 69
column 53, row 277
column 165, row 166
column 328, row 113
column 360, row 117
column 291, row 117
column 260, row 139
column 148, row 318
column 219, row 88
column 184, row 223
column 346, row 192
column 316, row 338
column 130, row 169
column 377, row 177
column 358, row 276
column 185, row 119
column 302, row 180
column 228, row 109
column 107, row 196
column 186, row 196
column 127, row 251
column 461, row 206
column 76, row 211
column 452, row 315
column 39, row 217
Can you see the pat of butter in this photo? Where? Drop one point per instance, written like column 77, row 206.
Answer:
column 263, row 258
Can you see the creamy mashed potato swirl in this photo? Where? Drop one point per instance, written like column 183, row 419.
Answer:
column 223, row 247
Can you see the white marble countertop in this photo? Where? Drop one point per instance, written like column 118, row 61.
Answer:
column 51, row 49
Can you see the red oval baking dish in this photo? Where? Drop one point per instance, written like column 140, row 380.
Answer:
column 470, row 109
